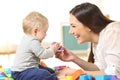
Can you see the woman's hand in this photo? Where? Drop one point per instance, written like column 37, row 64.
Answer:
column 65, row 55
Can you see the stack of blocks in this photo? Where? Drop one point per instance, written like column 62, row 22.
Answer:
column 107, row 77
column 98, row 77
column 80, row 76
column 85, row 77
column 5, row 74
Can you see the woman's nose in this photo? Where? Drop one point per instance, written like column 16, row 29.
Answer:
column 71, row 31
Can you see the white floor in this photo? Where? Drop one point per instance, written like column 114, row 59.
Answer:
column 7, row 61
column 52, row 62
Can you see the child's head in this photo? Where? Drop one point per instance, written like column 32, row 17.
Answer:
column 35, row 24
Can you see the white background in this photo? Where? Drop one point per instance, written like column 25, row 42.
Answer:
column 12, row 13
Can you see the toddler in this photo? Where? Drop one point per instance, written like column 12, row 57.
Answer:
column 26, row 64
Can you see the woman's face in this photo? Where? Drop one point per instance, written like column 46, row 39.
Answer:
column 81, row 32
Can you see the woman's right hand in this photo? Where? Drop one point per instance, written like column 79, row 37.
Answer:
column 65, row 55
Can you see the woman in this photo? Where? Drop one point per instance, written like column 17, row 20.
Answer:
column 88, row 24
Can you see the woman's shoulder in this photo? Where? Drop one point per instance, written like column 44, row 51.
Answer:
column 111, row 27
column 113, row 24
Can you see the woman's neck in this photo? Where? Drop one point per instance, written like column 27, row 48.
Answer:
column 95, row 38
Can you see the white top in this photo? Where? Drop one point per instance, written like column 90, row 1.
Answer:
column 29, row 53
column 107, row 51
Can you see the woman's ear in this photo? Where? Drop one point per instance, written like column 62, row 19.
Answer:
column 88, row 29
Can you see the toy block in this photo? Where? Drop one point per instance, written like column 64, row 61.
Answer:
column 115, row 78
column 2, row 70
column 0, row 66
column 43, row 63
column 8, row 79
column 2, row 78
column 5, row 74
column 9, row 75
column 103, row 77
column 76, row 74
column 85, row 77
column 8, row 71
column 69, row 78
column 2, row 74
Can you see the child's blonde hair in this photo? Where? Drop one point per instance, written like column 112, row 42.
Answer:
column 34, row 20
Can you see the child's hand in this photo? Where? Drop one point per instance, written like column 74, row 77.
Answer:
column 60, row 48
column 56, row 46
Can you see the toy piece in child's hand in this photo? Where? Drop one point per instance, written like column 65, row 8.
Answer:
column 61, row 48
column 53, row 42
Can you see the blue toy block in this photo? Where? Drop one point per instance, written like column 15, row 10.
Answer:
column 103, row 77
column 2, row 78
column 8, row 71
column 85, row 77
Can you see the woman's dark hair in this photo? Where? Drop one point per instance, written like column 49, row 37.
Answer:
column 91, row 16
column 91, row 55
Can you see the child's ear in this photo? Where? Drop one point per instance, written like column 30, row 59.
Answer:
column 34, row 31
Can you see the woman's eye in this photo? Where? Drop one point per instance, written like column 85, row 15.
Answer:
column 73, row 26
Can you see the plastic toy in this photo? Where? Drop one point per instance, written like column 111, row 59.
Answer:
column 59, row 67
column 76, row 74
column 61, row 48
column 0, row 66
column 85, row 77
column 43, row 63
column 115, row 78
column 103, row 77
column 69, row 78
column 5, row 74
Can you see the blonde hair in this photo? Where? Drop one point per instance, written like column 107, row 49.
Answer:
column 34, row 20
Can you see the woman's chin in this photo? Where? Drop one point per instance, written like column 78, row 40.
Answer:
column 80, row 42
